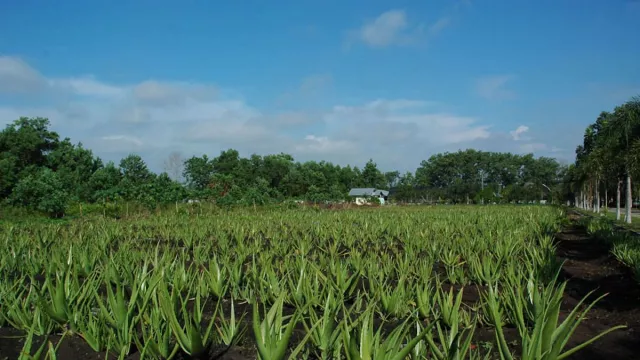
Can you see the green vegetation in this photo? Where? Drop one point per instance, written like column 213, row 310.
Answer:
column 624, row 244
column 43, row 174
column 607, row 161
column 352, row 284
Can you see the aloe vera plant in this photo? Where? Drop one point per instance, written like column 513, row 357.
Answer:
column 548, row 337
column 362, row 342
column 158, row 281
column 185, row 325
column 326, row 335
column 394, row 299
column 93, row 331
column 217, row 281
column 232, row 330
column 50, row 354
column 425, row 299
column 25, row 353
column 63, row 302
column 157, row 337
column 273, row 333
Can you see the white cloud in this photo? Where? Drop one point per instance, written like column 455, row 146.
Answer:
column 87, row 86
column 517, row 133
column 386, row 29
column 398, row 104
column 495, row 87
column 16, row 77
column 393, row 27
column 124, row 139
column 155, row 117
column 401, row 129
column 170, row 93
column 323, row 145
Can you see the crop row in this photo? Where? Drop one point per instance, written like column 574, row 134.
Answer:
column 354, row 284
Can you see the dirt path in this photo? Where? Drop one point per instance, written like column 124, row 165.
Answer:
column 589, row 266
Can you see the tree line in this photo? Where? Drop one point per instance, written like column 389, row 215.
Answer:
column 607, row 161
column 42, row 172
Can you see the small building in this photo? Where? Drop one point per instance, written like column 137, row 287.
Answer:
column 362, row 195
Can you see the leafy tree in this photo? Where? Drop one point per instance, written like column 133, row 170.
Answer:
column 29, row 140
column 609, row 154
column 74, row 165
column 134, row 170
column 135, row 178
column 275, row 168
column 392, row 178
column 24, row 145
column 198, row 172
column 43, row 192
column 608, row 157
column 9, row 171
column 104, row 183
column 406, row 189
column 227, row 162
column 463, row 175
column 373, row 177
column 167, row 190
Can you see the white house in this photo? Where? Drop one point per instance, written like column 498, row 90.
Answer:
column 362, row 194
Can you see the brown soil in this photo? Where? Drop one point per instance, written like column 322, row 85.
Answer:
column 588, row 267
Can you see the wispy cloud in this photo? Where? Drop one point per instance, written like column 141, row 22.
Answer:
column 314, row 83
column 495, row 87
column 389, row 28
column 124, row 139
column 16, row 76
column 517, row 133
column 393, row 27
column 439, row 25
column 310, row 88
column 321, row 144
column 155, row 117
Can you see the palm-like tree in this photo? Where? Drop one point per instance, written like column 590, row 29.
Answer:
column 610, row 153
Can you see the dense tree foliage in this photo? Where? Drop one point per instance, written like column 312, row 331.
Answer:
column 477, row 176
column 607, row 161
column 44, row 173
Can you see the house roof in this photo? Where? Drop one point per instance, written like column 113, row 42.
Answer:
column 367, row 192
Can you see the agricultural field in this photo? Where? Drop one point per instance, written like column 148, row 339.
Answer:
column 498, row 282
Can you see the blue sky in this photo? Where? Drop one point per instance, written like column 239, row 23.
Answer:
column 340, row 81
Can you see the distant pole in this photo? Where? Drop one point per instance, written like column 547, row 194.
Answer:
column 482, row 175
column 549, row 189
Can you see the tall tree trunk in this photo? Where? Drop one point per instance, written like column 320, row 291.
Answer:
column 581, row 199
column 606, row 199
column 597, row 207
column 618, row 196
column 629, row 201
